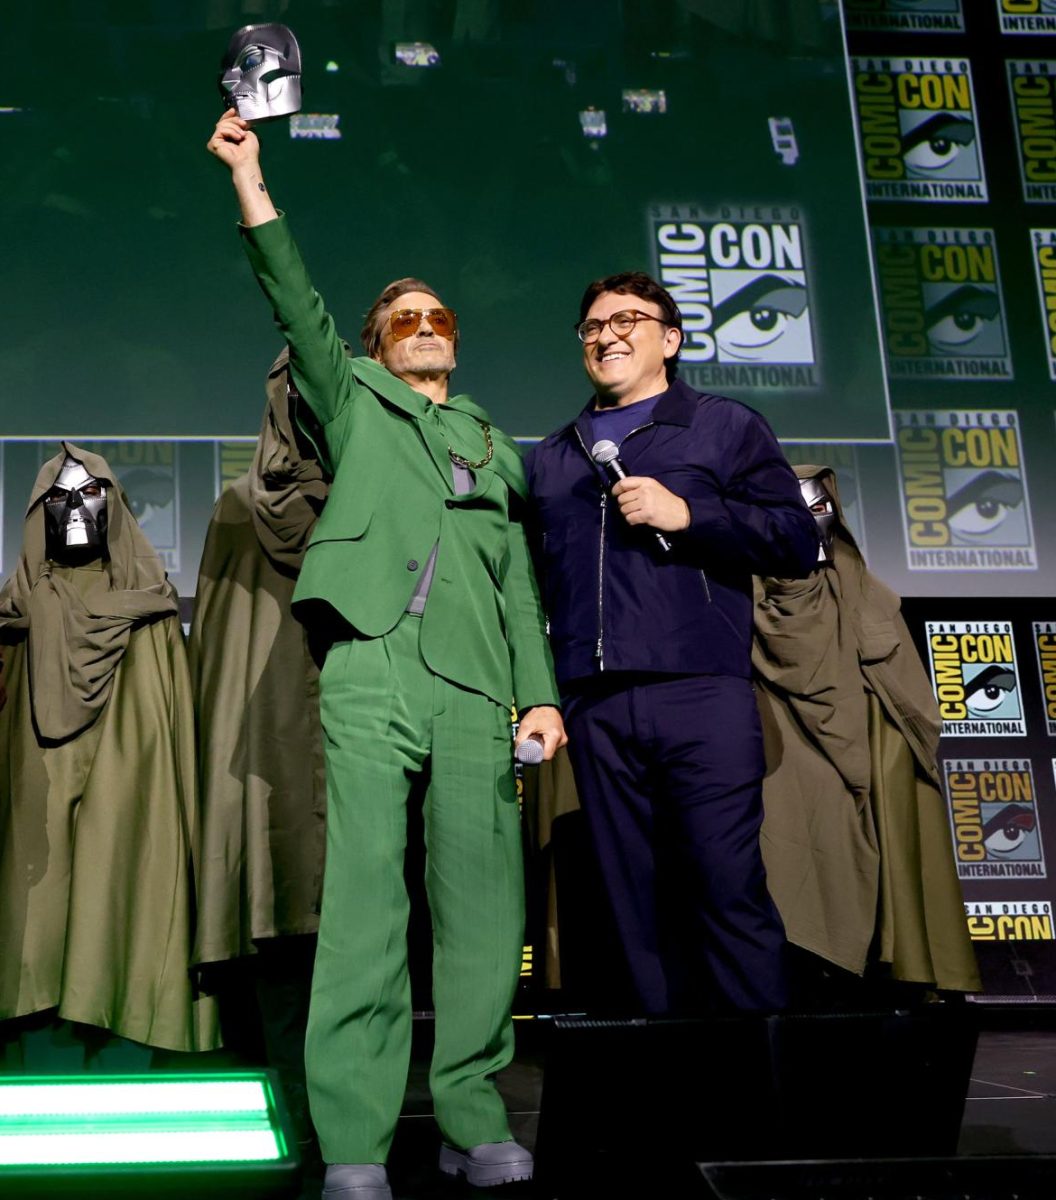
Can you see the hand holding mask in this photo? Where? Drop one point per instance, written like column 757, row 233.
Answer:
column 261, row 72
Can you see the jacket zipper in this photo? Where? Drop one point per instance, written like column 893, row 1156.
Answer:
column 599, row 650
column 707, row 589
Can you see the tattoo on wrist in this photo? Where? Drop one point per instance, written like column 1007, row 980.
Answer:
column 261, row 187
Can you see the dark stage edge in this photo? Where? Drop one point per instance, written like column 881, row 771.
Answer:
column 1010, row 1110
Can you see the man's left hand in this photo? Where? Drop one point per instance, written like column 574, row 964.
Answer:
column 544, row 722
column 643, row 501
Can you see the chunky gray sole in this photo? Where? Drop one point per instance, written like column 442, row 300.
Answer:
column 454, row 1162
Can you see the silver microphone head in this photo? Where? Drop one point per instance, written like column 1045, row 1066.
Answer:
column 529, row 752
column 604, row 452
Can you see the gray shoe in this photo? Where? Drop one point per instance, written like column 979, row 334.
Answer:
column 488, row 1164
column 356, row 1181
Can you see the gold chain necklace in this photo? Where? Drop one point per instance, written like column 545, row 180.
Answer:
column 488, row 444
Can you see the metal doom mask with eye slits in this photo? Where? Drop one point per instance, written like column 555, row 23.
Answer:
column 75, row 515
column 261, row 72
column 823, row 511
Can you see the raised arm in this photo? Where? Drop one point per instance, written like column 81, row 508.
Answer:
column 317, row 355
column 237, row 147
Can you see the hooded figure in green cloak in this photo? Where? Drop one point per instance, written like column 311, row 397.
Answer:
column 256, row 691
column 855, row 836
column 260, row 741
column 98, row 820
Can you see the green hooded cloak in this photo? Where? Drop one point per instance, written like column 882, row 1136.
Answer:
column 97, row 789
column 257, row 697
column 855, row 836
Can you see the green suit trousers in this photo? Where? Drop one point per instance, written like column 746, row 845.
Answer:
column 386, row 719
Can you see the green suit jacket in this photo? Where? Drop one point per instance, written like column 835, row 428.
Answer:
column 393, row 499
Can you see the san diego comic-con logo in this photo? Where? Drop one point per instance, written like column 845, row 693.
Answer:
column 740, row 275
column 975, row 678
column 941, row 309
column 994, row 818
column 917, row 129
column 964, row 491
column 918, row 16
column 1043, row 253
column 1032, row 85
column 1044, row 637
column 1009, row 920
column 1027, row 16
column 148, row 472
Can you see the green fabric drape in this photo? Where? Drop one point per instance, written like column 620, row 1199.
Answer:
column 257, row 698
column 76, row 641
column 855, row 837
column 98, row 819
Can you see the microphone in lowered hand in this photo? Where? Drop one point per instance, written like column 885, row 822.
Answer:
column 529, row 752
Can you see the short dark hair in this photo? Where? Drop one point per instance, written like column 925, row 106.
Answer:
column 645, row 287
column 370, row 334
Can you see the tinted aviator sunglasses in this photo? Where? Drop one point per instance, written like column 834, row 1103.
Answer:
column 403, row 322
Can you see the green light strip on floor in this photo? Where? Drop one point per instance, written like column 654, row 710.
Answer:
column 128, row 1119
column 155, row 1146
column 21, row 1099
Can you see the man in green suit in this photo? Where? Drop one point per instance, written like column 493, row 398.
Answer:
column 417, row 579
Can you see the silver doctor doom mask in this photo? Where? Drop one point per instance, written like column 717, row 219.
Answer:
column 75, row 516
column 823, row 511
column 261, row 72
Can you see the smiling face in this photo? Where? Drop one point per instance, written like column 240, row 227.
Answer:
column 628, row 367
column 423, row 355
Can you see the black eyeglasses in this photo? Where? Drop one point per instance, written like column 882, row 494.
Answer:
column 620, row 323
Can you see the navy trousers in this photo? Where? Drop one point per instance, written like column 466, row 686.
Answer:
column 669, row 773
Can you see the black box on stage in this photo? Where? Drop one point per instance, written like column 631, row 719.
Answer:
column 645, row 1100
column 998, row 1177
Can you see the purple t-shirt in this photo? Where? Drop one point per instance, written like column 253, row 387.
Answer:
column 614, row 424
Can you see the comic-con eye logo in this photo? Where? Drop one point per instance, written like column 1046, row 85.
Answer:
column 1027, row 16
column 739, row 277
column 923, row 16
column 918, row 129
column 1032, row 84
column 941, row 308
column 964, row 491
column 1043, row 252
column 993, row 815
column 976, row 679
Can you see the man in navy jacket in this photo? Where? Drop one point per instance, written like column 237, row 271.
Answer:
column 648, row 589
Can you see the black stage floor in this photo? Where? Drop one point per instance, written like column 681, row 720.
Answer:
column 1011, row 1109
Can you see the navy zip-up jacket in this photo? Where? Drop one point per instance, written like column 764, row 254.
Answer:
column 615, row 600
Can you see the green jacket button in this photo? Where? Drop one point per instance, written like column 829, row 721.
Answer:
column 412, row 565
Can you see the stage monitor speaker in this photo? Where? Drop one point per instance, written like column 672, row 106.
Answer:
column 871, row 1085
column 1000, row 1177
column 641, row 1102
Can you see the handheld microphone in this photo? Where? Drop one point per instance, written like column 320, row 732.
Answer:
column 529, row 752
column 607, row 455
